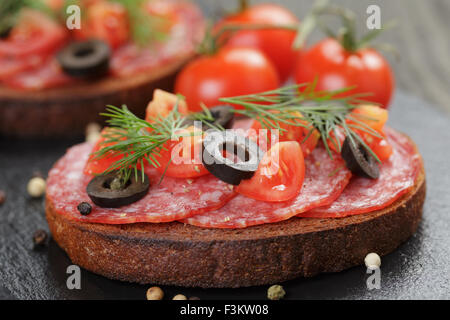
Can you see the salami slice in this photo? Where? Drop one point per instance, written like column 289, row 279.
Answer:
column 325, row 179
column 171, row 200
column 180, row 41
column 397, row 177
column 49, row 75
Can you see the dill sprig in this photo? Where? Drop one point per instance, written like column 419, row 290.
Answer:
column 141, row 142
column 137, row 140
column 325, row 111
column 10, row 10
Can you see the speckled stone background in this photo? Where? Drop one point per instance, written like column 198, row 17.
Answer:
column 419, row 269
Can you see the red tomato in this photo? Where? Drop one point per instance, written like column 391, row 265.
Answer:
column 294, row 133
column 162, row 104
column 34, row 34
column 230, row 72
column 107, row 21
column 275, row 44
column 373, row 116
column 54, row 4
column 337, row 68
column 381, row 148
column 183, row 156
column 97, row 166
column 279, row 176
column 167, row 11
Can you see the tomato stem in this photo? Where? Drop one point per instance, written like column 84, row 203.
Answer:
column 213, row 41
column 346, row 35
column 243, row 5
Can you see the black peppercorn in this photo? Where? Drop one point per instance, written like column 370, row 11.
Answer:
column 84, row 208
column 40, row 238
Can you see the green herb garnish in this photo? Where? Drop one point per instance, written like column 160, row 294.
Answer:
column 322, row 110
column 10, row 10
column 145, row 28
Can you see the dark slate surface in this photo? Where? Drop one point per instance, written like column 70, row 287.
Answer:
column 418, row 269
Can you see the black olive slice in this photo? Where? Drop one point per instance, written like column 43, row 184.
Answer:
column 246, row 153
column 103, row 192
column 223, row 116
column 88, row 59
column 358, row 160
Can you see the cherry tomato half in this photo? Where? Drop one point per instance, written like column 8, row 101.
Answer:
column 97, row 166
column 294, row 133
column 373, row 116
column 337, row 68
column 182, row 157
column 279, row 176
column 230, row 72
column 107, row 21
column 162, row 104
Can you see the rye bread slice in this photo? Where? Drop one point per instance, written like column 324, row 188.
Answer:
column 65, row 111
column 185, row 255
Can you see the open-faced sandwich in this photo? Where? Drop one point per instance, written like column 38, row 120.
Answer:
column 62, row 61
column 265, row 188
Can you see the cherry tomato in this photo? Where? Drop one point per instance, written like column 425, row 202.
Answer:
column 279, row 176
column 275, row 44
column 97, row 166
column 183, row 156
column 162, row 104
column 294, row 133
column 230, row 72
column 107, row 21
column 337, row 68
column 34, row 34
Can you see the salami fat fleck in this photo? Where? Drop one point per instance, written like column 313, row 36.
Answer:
column 171, row 200
column 325, row 179
column 397, row 177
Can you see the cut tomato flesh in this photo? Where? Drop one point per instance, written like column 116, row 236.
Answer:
column 279, row 176
column 95, row 165
column 182, row 158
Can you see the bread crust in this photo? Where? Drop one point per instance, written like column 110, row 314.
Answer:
column 185, row 255
column 65, row 111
